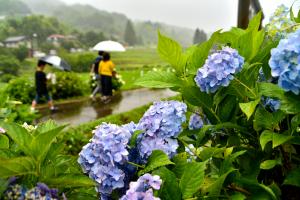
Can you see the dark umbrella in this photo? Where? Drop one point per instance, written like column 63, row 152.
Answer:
column 56, row 62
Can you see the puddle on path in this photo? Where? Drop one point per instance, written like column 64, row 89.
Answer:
column 75, row 113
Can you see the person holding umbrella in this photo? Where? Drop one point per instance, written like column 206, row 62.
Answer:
column 106, row 71
column 41, row 86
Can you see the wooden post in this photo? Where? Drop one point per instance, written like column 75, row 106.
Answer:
column 243, row 13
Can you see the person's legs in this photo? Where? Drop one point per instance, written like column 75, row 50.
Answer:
column 35, row 101
column 50, row 101
column 97, row 89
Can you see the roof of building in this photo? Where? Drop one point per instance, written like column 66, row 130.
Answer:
column 15, row 39
column 56, row 36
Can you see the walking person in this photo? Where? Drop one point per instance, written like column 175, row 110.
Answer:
column 41, row 86
column 106, row 71
column 95, row 72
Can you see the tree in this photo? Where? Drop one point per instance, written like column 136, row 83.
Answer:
column 199, row 36
column 130, row 36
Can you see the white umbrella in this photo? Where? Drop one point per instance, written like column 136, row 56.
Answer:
column 109, row 46
column 56, row 62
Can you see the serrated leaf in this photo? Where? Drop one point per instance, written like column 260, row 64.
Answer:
column 4, row 142
column 293, row 178
column 201, row 53
column 42, row 142
column 170, row 51
column 180, row 161
column 276, row 138
column 159, row 80
column 192, row 179
column 214, row 188
column 17, row 166
column 157, row 159
column 132, row 142
column 209, row 152
column 269, row 164
column 19, row 135
column 249, row 108
column 70, row 180
column 266, row 120
column 169, row 189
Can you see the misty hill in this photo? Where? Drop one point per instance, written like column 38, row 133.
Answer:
column 87, row 18
column 13, row 7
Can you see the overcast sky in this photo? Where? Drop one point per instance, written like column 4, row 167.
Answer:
column 209, row 15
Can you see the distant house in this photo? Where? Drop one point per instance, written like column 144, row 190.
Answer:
column 17, row 41
column 55, row 38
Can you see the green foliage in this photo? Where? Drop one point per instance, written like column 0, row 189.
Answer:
column 36, row 156
column 249, row 151
column 157, row 159
column 67, row 85
column 81, row 62
column 9, row 65
column 21, row 89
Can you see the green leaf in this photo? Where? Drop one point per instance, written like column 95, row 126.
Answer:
column 70, row 180
column 194, row 96
column 4, row 142
column 209, row 152
column 133, row 138
column 171, row 52
column 227, row 163
column 157, row 159
column 249, row 108
column 16, row 167
column 169, row 189
column 254, row 24
column 214, row 189
column 192, row 179
column 19, row 135
column 180, row 161
column 271, row 90
column 276, row 138
column 266, row 120
column 293, row 178
column 227, row 108
column 201, row 53
column 159, row 80
column 269, row 164
column 42, row 142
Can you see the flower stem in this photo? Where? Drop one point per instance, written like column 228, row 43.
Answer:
column 240, row 82
column 137, row 165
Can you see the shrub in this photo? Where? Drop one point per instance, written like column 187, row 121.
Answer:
column 80, row 62
column 67, row 85
column 21, row 89
column 6, row 77
column 9, row 64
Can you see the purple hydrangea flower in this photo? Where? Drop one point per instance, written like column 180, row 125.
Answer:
column 195, row 122
column 285, row 63
column 219, row 69
column 161, row 123
column 104, row 154
column 142, row 189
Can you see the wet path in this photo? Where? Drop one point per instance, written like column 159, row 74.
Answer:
column 84, row 110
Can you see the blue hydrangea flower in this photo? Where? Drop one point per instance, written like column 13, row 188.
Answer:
column 272, row 104
column 160, row 124
column 163, row 118
column 195, row 122
column 101, row 158
column 219, row 69
column 147, row 144
column 285, row 63
column 142, row 189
